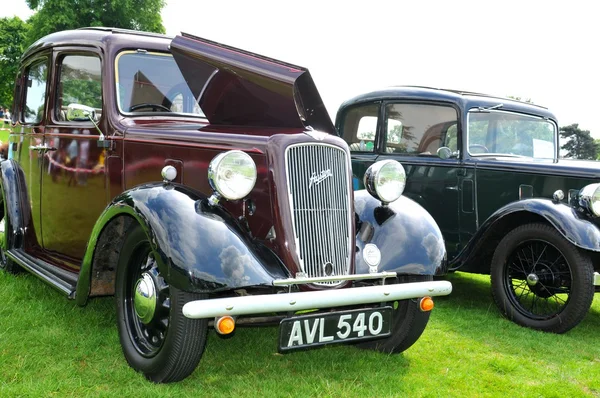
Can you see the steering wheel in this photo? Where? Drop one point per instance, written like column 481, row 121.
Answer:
column 485, row 150
column 154, row 107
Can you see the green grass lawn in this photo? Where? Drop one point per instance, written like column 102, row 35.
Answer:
column 51, row 347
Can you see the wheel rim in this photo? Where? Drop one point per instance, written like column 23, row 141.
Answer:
column 147, row 303
column 3, row 246
column 537, row 279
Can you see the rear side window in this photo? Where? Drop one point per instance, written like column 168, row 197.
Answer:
column 360, row 127
column 35, row 92
column 420, row 129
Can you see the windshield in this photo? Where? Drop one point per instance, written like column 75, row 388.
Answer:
column 152, row 82
column 510, row 134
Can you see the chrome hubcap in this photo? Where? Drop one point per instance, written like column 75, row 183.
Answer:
column 144, row 299
column 532, row 279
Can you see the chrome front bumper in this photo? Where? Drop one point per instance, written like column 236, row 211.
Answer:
column 321, row 299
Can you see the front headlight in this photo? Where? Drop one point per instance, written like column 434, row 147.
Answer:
column 385, row 180
column 232, row 174
column 589, row 197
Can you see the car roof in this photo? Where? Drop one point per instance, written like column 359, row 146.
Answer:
column 99, row 37
column 465, row 99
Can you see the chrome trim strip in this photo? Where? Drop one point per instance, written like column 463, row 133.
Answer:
column 596, row 279
column 318, row 299
column 355, row 277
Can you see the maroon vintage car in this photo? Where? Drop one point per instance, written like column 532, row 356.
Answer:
column 203, row 186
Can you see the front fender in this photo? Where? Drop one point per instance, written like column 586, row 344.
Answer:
column 12, row 182
column 199, row 248
column 409, row 239
column 576, row 227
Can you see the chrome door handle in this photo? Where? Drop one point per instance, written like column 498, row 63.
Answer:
column 42, row 148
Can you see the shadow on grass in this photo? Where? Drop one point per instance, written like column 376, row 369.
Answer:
column 470, row 312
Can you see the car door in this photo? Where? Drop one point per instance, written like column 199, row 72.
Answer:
column 423, row 137
column 74, row 192
column 28, row 136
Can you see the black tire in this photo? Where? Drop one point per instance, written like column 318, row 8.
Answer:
column 408, row 324
column 6, row 263
column 168, row 346
column 540, row 280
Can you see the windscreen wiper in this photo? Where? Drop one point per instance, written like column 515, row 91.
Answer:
column 490, row 108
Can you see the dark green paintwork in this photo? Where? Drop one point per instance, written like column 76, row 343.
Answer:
column 461, row 193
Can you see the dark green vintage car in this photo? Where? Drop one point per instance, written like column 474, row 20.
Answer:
column 488, row 171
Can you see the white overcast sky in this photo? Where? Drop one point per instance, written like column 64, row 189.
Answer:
column 544, row 50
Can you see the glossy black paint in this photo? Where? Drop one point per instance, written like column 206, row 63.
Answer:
column 201, row 248
column 477, row 199
column 408, row 237
column 12, row 182
column 577, row 227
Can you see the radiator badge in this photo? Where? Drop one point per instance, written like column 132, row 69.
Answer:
column 316, row 179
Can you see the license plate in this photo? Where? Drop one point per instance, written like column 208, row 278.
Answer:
column 320, row 329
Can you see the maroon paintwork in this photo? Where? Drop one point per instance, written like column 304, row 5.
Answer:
column 141, row 146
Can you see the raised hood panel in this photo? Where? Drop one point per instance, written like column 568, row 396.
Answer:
column 236, row 87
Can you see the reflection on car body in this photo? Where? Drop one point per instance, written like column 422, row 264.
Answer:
column 487, row 169
column 203, row 185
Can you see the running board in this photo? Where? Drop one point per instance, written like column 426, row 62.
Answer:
column 60, row 279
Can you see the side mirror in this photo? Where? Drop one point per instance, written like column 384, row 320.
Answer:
column 83, row 113
column 80, row 113
column 444, row 152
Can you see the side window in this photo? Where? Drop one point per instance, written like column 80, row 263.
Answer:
column 35, row 94
column 79, row 82
column 360, row 126
column 451, row 138
column 420, row 129
column 478, row 134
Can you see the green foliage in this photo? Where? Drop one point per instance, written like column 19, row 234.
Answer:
column 57, row 15
column 579, row 143
column 13, row 36
column 79, row 85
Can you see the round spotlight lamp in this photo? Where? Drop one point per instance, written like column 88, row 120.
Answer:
column 589, row 197
column 385, row 180
column 232, row 174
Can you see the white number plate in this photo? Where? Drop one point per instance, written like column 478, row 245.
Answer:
column 320, row 329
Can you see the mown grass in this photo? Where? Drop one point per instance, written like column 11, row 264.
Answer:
column 50, row 347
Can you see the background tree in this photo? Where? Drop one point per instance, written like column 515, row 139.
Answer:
column 13, row 41
column 579, row 143
column 55, row 15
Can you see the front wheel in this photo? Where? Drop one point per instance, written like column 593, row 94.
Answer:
column 408, row 323
column 540, row 280
column 156, row 338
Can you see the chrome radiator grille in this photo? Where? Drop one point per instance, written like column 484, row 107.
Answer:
column 318, row 186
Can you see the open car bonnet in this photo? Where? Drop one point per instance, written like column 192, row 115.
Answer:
column 236, row 87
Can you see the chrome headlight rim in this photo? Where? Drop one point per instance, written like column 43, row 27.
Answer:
column 589, row 198
column 219, row 186
column 374, row 184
